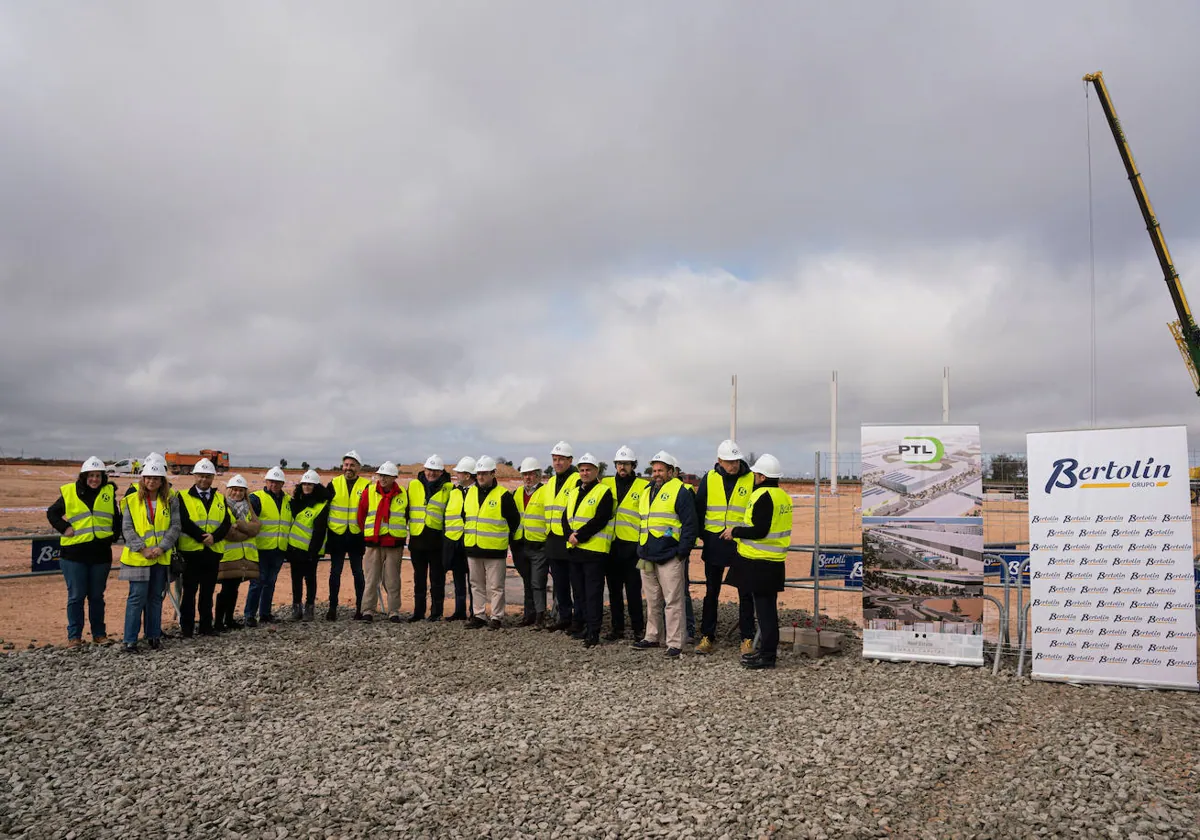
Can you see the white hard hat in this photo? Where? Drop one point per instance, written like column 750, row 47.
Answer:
column 485, row 464
column 204, row 467
column 664, row 457
column 92, row 464
column 311, row 477
column 154, row 458
column 530, row 465
column 154, row 469
column 276, row 474
column 624, row 454
column 589, row 458
column 237, row 481
column 353, row 453
column 563, row 448
column 767, row 465
column 729, row 451
column 465, row 464
column 435, row 462
column 387, row 468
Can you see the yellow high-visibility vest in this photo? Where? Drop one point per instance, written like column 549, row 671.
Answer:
column 397, row 525
column 774, row 546
column 152, row 533
column 276, row 521
column 581, row 511
column 301, row 533
column 628, row 514
column 556, row 502
column 424, row 513
column 94, row 523
column 720, row 512
column 343, row 510
column 484, row 527
column 206, row 520
column 658, row 517
column 533, row 515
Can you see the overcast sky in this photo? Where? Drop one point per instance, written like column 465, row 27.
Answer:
column 287, row 229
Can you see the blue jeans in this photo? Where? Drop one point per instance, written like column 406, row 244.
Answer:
column 262, row 591
column 146, row 600
column 85, row 580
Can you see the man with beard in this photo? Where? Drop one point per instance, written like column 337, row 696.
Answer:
column 454, row 555
column 620, row 569
column 529, row 542
column 491, row 518
column 588, row 524
column 666, row 537
column 427, row 497
column 721, row 501
column 345, row 537
column 565, row 477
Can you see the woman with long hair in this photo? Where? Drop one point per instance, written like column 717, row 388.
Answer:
column 151, row 529
column 306, row 541
column 240, row 560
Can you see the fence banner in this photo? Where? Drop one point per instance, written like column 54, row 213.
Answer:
column 1110, row 548
column 922, row 504
column 44, row 555
column 846, row 566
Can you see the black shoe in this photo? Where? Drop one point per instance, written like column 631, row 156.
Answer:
column 358, row 616
column 540, row 621
column 758, row 661
column 456, row 617
column 614, row 636
column 559, row 626
column 269, row 618
column 331, row 614
column 367, row 617
column 414, row 618
column 642, row 644
column 494, row 624
column 309, row 612
column 673, row 653
column 130, row 648
column 434, row 618
column 155, row 644
column 475, row 623
column 528, row 621
column 591, row 641
column 212, row 631
column 185, row 634
column 579, row 634
column 395, row 619
column 251, row 621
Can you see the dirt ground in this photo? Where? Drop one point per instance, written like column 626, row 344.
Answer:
column 32, row 610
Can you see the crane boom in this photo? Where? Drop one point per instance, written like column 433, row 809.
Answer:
column 1186, row 333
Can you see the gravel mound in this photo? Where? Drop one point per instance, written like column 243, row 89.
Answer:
column 347, row 730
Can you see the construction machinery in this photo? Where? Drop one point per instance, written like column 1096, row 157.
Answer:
column 180, row 462
column 1187, row 334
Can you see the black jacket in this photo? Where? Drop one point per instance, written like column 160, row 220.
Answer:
column 508, row 510
column 430, row 539
column 717, row 551
column 302, row 501
column 760, row 516
column 187, row 526
column 600, row 519
column 92, row 551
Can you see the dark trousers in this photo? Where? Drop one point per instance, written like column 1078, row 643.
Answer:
column 429, row 576
column 227, row 600
column 587, row 579
column 304, row 571
column 560, row 575
column 339, row 550
column 199, row 578
column 713, row 575
column 768, row 621
column 521, row 555
column 746, row 613
column 623, row 579
column 454, row 558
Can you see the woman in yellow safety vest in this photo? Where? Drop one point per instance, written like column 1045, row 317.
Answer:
column 306, row 541
column 86, row 515
column 239, row 561
column 151, row 528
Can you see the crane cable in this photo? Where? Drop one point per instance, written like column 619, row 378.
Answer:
column 1087, row 107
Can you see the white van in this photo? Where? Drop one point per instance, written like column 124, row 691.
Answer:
column 122, row 467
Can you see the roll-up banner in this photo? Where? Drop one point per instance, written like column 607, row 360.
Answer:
column 922, row 505
column 1110, row 555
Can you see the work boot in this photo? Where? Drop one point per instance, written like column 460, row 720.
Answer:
column 475, row 623
column 614, row 635
column 579, row 634
column 540, row 622
column 590, row 641
column 747, row 647
column 528, row 621
column 705, row 646
column 358, row 616
column 297, row 612
column 456, row 616
column 494, row 624
column 251, row 621
column 560, row 626
column 367, row 617
column 395, row 619
column 414, row 618
column 74, row 643
column 331, row 613
column 309, row 612
column 155, row 644
column 100, row 640
column 133, row 648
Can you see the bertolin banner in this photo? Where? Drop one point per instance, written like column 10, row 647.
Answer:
column 1110, row 555
column 922, row 505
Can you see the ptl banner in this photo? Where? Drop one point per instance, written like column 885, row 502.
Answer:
column 1110, row 550
column 922, row 504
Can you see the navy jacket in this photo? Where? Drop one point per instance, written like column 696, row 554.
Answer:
column 665, row 549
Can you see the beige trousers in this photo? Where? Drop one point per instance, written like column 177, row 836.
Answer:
column 666, row 579
column 380, row 562
column 487, row 585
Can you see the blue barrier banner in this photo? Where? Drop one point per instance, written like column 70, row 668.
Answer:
column 993, row 560
column 844, row 566
column 44, row 556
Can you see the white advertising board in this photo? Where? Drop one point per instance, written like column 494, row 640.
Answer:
column 1110, row 555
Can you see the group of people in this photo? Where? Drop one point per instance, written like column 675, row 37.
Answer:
column 575, row 529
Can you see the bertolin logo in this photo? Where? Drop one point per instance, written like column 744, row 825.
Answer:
column 1160, row 561
column 1147, row 661
column 1178, row 605
column 1110, row 518
column 1078, row 602
column 1140, row 547
column 1127, row 590
column 1181, row 663
column 1068, row 519
column 1113, row 660
column 1177, row 547
column 1062, row 643
column 1067, row 474
column 1080, row 575
column 1093, row 617
column 1046, row 602
column 1110, row 604
column 1095, row 646
column 1178, row 576
column 1065, row 589
column 1181, row 634
column 1081, row 631
column 1109, row 547
column 1175, row 517
column 1052, row 520
column 1093, row 561
column 1162, row 619
column 1124, row 532
column 1053, row 657
column 1145, row 575
column 1092, row 532
column 1159, row 532
column 1093, row 590
column 1112, row 576
column 1113, row 631
column 1061, row 561
column 1040, row 575
column 1062, row 617
column 1161, row 648
column 1160, row 590
column 1080, row 657
column 1059, row 532
column 1126, row 646
column 1076, row 547
column 921, row 450
column 1143, row 517
column 1142, row 605
column 1143, row 633
column 1126, row 561
column 1043, row 629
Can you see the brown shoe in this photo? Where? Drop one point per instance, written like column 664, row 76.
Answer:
column 100, row 640
column 74, row 643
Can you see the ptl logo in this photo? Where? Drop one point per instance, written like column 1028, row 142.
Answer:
column 921, row 450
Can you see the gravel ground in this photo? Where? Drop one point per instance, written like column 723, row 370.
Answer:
column 347, row 730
